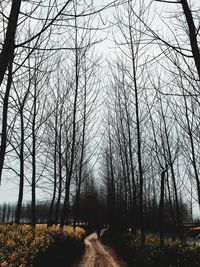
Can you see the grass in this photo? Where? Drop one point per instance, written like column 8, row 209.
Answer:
column 173, row 253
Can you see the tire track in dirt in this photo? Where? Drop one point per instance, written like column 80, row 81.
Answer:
column 96, row 255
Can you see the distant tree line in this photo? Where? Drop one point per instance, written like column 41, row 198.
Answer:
column 92, row 211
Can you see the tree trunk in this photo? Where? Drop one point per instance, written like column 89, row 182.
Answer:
column 21, row 182
column 6, row 60
column 51, row 210
column 192, row 34
column 60, row 173
column 72, row 156
column 33, row 186
column 78, row 193
column 161, row 208
column 4, row 119
column 7, row 53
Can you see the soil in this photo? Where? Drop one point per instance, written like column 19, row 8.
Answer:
column 98, row 255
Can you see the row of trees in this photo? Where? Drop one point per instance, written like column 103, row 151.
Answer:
column 151, row 160
column 49, row 82
column 88, row 211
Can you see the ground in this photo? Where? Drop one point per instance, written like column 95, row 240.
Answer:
column 98, row 255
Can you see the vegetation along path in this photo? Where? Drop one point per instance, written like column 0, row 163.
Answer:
column 97, row 255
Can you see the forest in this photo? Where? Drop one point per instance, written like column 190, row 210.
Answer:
column 100, row 131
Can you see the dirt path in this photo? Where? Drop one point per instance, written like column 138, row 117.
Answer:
column 96, row 255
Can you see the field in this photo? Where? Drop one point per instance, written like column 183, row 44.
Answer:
column 21, row 245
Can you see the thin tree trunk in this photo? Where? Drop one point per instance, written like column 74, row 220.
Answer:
column 132, row 194
column 69, row 176
column 173, row 178
column 60, row 172
column 33, row 186
column 194, row 163
column 21, row 182
column 161, row 208
column 126, row 164
column 50, row 220
column 78, row 193
column 65, row 209
column 139, row 154
column 113, row 206
column 173, row 221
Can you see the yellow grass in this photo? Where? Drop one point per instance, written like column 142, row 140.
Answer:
column 19, row 244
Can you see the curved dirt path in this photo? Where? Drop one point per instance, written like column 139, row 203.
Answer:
column 97, row 255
